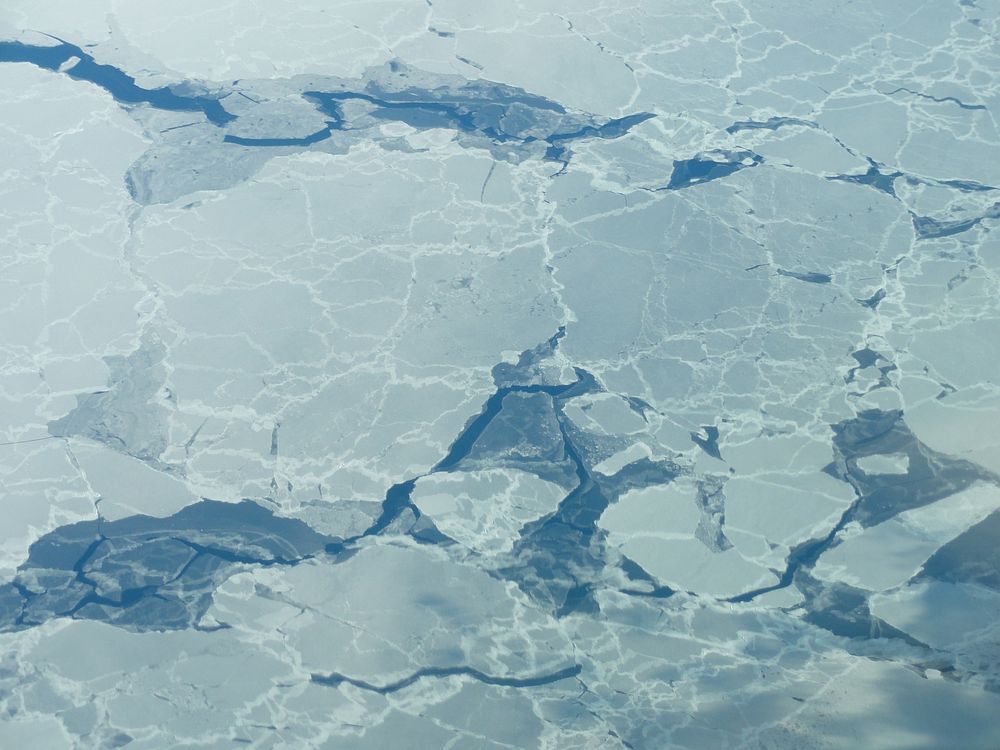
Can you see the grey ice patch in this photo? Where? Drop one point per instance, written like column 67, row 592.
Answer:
column 273, row 117
column 844, row 610
column 143, row 573
column 972, row 557
column 646, row 472
column 169, row 170
column 530, row 368
column 525, row 435
column 928, row 228
column 711, row 502
column 928, row 476
column 129, row 416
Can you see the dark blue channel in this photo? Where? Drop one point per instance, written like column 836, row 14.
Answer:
column 117, row 83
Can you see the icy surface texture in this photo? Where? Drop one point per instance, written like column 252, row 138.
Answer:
column 543, row 375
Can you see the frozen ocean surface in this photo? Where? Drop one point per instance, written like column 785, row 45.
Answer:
column 425, row 374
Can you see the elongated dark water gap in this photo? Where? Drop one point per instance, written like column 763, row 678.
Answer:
column 117, row 83
column 335, row 679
